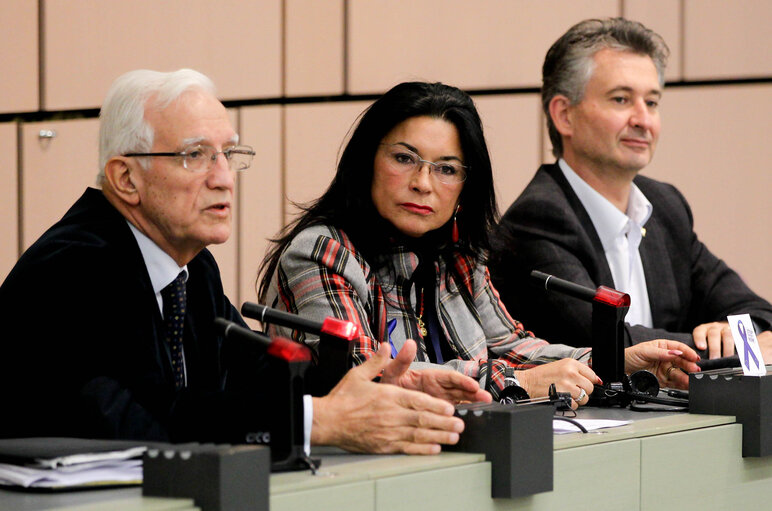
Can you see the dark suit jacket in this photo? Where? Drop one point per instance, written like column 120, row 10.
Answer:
column 83, row 351
column 548, row 229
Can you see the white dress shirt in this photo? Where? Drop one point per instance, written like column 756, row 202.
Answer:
column 621, row 235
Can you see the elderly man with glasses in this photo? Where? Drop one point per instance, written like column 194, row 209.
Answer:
column 109, row 316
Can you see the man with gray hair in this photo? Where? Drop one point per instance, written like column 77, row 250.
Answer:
column 123, row 342
column 591, row 219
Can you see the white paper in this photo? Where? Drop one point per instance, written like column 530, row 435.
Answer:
column 560, row 427
column 109, row 472
column 746, row 345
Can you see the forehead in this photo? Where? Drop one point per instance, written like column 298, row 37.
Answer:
column 614, row 69
column 195, row 115
column 427, row 131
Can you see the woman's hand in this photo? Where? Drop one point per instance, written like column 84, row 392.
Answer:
column 668, row 360
column 568, row 375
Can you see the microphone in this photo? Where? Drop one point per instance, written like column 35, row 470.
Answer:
column 603, row 294
column 336, row 343
column 335, row 327
column 719, row 363
column 609, row 307
column 278, row 347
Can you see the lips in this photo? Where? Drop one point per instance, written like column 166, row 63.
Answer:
column 220, row 208
column 417, row 208
column 636, row 142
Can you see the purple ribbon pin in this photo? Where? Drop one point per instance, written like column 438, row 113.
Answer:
column 746, row 344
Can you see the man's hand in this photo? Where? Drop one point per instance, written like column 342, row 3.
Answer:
column 568, row 375
column 666, row 359
column 765, row 345
column 442, row 383
column 716, row 337
column 363, row 416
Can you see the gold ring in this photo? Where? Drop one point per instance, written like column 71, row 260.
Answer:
column 669, row 370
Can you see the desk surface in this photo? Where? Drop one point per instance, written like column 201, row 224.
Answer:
column 635, row 464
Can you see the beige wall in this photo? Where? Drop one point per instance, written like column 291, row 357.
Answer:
column 65, row 53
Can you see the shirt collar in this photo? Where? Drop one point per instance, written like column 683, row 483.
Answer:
column 161, row 268
column 609, row 222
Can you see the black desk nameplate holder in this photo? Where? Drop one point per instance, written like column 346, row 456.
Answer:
column 216, row 477
column 516, row 440
column 748, row 398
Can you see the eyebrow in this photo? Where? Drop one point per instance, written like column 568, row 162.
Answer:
column 197, row 140
column 624, row 88
column 441, row 158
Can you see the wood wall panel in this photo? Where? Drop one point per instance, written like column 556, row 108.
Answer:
column 727, row 39
column 260, row 192
column 483, row 44
column 19, row 56
column 314, row 47
column 664, row 17
column 55, row 171
column 9, row 213
column 715, row 148
column 88, row 43
column 314, row 137
column 512, row 131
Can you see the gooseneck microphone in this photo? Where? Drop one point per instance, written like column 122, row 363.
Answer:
column 278, row 347
column 331, row 326
column 602, row 294
column 615, row 298
column 334, row 352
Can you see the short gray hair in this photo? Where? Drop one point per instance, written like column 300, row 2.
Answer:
column 568, row 65
column 122, row 124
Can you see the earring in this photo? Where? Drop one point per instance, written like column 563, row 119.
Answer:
column 454, row 232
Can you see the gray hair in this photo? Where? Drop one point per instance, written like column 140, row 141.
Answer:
column 569, row 63
column 122, row 124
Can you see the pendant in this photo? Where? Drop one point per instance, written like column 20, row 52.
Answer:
column 422, row 327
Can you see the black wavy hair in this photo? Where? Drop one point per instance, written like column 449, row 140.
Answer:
column 347, row 203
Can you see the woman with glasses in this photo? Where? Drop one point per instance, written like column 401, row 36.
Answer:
column 397, row 244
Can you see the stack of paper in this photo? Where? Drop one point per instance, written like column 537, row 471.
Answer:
column 65, row 463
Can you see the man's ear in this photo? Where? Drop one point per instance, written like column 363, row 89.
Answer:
column 560, row 109
column 120, row 175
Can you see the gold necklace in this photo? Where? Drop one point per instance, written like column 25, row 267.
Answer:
column 421, row 324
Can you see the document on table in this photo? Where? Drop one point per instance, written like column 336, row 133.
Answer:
column 560, row 427
column 62, row 463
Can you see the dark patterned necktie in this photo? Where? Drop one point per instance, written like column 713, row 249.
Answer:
column 174, row 297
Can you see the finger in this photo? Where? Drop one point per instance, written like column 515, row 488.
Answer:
column 682, row 350
column 714, row 342
column 588, row 373
column 401, row 363
column 373, row 365
column 728, row 341
column 414, row 400
column 699, row 336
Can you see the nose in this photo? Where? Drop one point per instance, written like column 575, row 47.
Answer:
column 641, row 116
column 220, row 174
column 420, row 180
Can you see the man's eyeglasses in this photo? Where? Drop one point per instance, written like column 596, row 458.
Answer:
column 402, row 160
column 200, row 158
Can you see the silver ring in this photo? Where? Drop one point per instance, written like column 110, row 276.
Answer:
column 582, row 394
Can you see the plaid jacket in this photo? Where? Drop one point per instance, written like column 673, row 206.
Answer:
column 321, row 274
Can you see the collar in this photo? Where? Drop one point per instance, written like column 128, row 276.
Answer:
column 609, row 222
column 161, row 268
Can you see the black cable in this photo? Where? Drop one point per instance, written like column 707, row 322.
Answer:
column 572, row 421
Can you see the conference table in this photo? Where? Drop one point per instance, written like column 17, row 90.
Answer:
column 658, row 462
